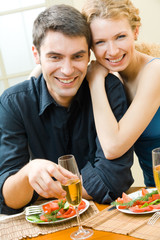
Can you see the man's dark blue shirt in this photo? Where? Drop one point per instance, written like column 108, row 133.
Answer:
column 33, row 125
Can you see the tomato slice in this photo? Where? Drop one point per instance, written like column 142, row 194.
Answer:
column 59, row 200
column 62, row 211
column 82, row 205
column 69, row 213
column 144, row 191
column 69, row 210
column 126, row 198
column 46, row 208
column 54, row 206
column 122, row 207
column 119, row 200
column 155, row 197
column 43, row 218
column 50, row 207
column 156, row 206
column 137, row 208
column 141, row 202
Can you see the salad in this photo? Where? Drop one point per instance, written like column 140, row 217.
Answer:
column 149, row 201
column 56, row 210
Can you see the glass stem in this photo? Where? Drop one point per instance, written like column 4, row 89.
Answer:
column 78, row 219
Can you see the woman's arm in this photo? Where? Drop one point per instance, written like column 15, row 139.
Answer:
column 36, row 71
column 117, row 137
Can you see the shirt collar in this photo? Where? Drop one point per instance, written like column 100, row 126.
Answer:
column 46, row 99
column 44, row 96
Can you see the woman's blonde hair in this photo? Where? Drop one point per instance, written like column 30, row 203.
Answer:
column 112, row 9
column 151, row 49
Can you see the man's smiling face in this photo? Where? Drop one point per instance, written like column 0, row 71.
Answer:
column 64, row 62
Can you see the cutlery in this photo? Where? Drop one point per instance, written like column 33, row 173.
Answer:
column 154, row 218
column 30, row 210
column 111, row 208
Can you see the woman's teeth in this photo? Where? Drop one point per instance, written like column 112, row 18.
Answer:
column 115, row 60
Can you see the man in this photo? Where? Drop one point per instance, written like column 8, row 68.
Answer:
column 44, row 118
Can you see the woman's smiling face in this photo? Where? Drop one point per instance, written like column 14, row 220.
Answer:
column 113, row 42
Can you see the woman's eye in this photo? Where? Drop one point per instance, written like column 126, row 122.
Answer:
column 121, row 36
column 99, row 42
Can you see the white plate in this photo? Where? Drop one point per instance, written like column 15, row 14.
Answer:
column 135, row 195
column 62, row 220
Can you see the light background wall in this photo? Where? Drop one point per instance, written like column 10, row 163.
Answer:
column 16, row 19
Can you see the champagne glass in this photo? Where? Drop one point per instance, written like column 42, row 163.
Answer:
column 156, row 167
column 73, row 188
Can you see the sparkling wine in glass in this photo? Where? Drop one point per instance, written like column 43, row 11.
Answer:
column 156, row 167
column 73, row 189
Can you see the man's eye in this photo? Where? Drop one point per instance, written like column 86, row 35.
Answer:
column 54, row 57
column 78, row 56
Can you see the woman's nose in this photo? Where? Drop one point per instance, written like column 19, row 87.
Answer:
column 112, row 49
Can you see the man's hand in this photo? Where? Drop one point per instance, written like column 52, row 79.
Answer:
column 40, row 173
column 36, row 175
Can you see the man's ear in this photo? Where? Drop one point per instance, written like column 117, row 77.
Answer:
column 36, row 55
column 89, row 55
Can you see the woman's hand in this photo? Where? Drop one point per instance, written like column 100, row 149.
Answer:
column 96, row 73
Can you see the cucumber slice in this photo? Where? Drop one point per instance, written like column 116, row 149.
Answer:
column 66, row 205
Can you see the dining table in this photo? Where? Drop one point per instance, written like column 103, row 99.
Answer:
column 98, row 235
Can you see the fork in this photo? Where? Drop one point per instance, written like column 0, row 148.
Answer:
column 30, row 210
column 154, row 218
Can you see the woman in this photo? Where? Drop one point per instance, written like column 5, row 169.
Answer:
column 115, row 26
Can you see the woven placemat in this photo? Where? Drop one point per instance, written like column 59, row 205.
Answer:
column 126, row 224
column 15, row 228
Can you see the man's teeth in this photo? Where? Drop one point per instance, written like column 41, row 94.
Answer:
column 66, row 81
column 116, row 60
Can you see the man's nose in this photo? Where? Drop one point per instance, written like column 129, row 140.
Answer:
column 67, row 67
